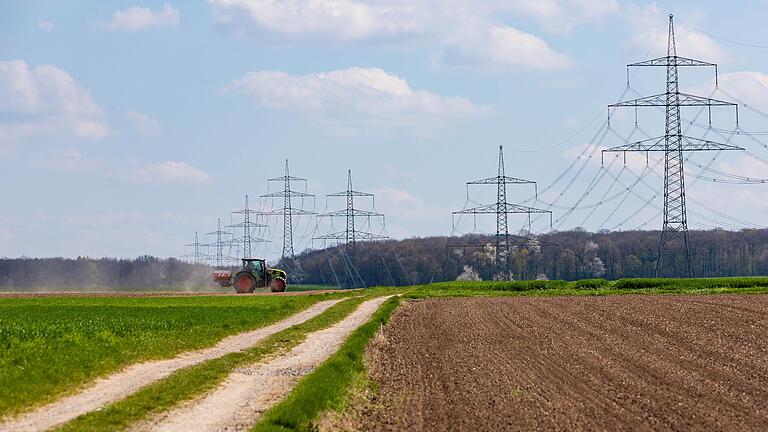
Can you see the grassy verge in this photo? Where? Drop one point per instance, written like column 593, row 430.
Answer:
column 592, row 287
column 326, row 387
column 52, row 346
column 191, row 382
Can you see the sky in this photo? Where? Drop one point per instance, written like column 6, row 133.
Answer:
column 126, row 127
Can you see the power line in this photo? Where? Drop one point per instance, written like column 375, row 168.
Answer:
column 744, row 44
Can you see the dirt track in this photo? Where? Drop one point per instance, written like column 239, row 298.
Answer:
column 576, row 363
column 241, row 399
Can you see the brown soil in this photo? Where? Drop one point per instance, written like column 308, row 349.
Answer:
column 575, row 363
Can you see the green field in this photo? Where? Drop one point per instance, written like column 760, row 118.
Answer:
column 51, row 345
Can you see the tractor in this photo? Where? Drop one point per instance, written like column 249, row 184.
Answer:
column 255, row 274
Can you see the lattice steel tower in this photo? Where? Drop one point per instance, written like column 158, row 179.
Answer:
column 288, row 210
column 673, row 245
column 248, row 226
column 502, row 209
column 351, row 235
column 196, row 255
column 220, row 243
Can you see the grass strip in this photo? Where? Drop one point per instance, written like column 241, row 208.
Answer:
column 190, row 382
column 595, row 284
column 475, row 292
column 592, row 287
column 326, row 387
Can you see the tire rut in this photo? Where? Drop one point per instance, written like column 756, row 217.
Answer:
column 248, row 392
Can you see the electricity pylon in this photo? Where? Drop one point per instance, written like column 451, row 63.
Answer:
column 248, row 226
column 502, row 209
column 674, row 232
column 220, row 243
column 288, row 211
column 196, row 255
column 351, row 235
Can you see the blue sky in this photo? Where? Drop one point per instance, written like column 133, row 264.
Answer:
column 125, row 127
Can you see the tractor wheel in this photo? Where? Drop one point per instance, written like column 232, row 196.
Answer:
column 277, row 285
column 244, row 283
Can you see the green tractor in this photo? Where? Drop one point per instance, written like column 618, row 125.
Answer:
column 255, row 274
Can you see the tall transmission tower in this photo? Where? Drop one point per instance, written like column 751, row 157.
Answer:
column 197, row 255
column 502, row 209
column 288, row 211
column 673, row 245
column 247, row 225
column 351, row 235
column 220, row 243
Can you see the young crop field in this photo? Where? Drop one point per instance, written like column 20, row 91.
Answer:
column 52, row 345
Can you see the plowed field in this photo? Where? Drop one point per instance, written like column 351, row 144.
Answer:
column 571, row 363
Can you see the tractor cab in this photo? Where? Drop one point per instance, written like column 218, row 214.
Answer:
column 254, row 264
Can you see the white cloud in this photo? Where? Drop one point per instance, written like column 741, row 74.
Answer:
column 168, row 172
column 369, row 92
column 46, row 101
column 395, row 198
column 46, row 25
column 137, row 18
column 464, row 33
column 561, row 16
column 745, row 166
column 134, row 172
column 144, row 124
column 404, row 209
column 44, row 89
column 749, row 87
column 307, row 20
column 501, row 46
column 651, row 27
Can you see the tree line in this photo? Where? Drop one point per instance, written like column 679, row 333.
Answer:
column 567, row 255
column 143, row 272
